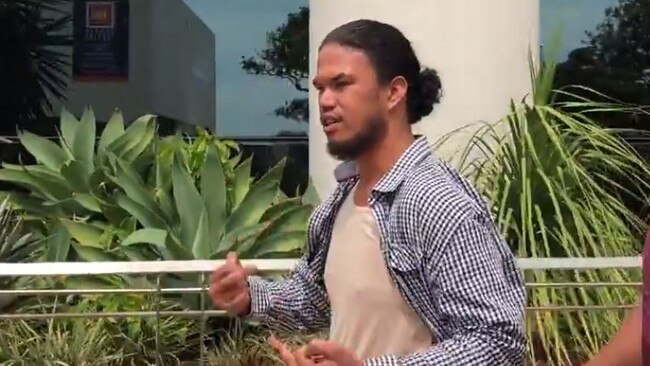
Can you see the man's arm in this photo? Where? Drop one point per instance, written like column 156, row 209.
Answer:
column 480, row 296
column 296, row 303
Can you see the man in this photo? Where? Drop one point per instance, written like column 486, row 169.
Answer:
column 404, row 264
column 631, row 344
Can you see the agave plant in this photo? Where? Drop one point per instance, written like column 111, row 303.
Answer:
column 61, row 187
column 134, row 196
column 556, row 181
column 191, row 221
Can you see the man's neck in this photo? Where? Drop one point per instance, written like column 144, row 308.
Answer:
column 376, row 162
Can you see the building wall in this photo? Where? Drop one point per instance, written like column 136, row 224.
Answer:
column 480, row 49
column 171, row 68
column 182, row 50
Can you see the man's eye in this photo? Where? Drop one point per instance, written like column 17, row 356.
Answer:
column 341, row 84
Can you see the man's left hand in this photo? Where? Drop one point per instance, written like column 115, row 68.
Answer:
column 318, row 352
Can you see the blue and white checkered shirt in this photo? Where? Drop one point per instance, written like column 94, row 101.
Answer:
column 443, row 251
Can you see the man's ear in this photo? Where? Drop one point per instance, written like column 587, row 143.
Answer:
column 397, row 91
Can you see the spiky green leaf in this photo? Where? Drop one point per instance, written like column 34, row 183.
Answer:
column 69, row 126
column 87, row 234
column 242, row 181
column 113, row 130
column 146, row 235
column 188, row 201
column 83, row 148
column 280, row 242
column 44, row 151
column 214, row 194
column 251, row 209
column 58, row 244
column 143, row 214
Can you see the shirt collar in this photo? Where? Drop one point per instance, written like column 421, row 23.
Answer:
column 411, row 157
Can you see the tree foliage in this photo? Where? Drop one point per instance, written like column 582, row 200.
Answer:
column 286, row 56
column 615, row 59
column 32, row 69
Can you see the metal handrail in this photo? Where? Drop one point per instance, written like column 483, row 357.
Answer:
column 268, row 266
column 205, row 311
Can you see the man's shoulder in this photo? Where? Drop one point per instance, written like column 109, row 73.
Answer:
column 438, row 189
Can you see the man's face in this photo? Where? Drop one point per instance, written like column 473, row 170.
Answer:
column 351, row 102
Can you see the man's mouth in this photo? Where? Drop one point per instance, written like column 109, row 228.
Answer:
column 330, row 124
column 328, row 121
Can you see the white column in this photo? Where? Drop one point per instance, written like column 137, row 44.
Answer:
column 479, row 47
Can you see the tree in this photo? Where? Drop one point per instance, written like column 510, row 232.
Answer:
column 31, row 70
column 286, row 56
column 615, row 59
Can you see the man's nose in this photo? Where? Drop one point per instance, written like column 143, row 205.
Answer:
column 326, row 100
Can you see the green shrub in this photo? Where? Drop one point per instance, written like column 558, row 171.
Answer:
column 139, row 196
column 557, row 182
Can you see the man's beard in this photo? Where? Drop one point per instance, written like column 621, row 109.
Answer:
column 374, row 130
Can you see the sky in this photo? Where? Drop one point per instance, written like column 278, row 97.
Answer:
column 572, row 18
column 245, row 103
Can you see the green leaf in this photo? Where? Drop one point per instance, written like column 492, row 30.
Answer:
column 242, row 181
column 176, row 251
column 143, row 214
column 86, row 234
column 250, row 211
column 113, row 130
column 147, row 235
column 274, row 175
column 240, row 240
column 143, row 144
column 281, row 242
column 214, row 193
column 68, row 207
column 58, row 244
column 88, row 282
column 135, row 189
column 92, row 254
column 188, row 201
column 44, row 151
column 311, row 195
column 292, row 219
column 31, row 205
column 139, row 252
column 69, row 126
column 46, row 186
column 88, row 201
column 131, row 136
column 202, row 246
column 83, row 149
column 280, row 208
column 76, row 175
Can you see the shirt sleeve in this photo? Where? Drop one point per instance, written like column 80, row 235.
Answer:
column 296, row 303
column 480, row 296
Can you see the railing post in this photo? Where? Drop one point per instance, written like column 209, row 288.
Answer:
column 158, row 301
column 204, row 320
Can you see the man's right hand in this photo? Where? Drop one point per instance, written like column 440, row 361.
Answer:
column 229, row 286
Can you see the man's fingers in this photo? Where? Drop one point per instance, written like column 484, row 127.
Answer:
column 276, row 343
column 302, row 359
column 236, row 301
column 232, row 258
column 326, row 349
column 232, row 280
column 220, row 273
column 283, row 351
